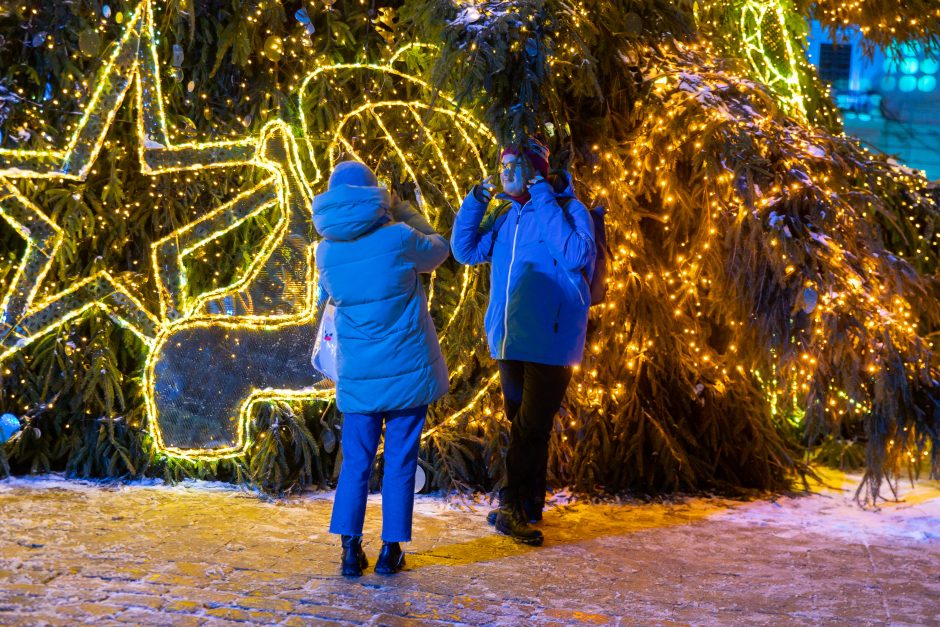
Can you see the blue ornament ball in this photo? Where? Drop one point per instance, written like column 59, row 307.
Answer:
column 9, row 425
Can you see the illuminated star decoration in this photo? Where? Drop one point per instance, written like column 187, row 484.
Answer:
column 253, row 335
column 132, row 63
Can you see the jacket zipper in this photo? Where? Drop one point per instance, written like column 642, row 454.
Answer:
column 512, row 260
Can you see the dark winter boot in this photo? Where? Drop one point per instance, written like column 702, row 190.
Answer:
column 511, row 523
column 503, row 500
column 391, row 559
column 354, row 558
column 491, row 517
column 532, row 508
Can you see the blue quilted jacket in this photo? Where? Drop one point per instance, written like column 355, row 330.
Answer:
column 541, row 256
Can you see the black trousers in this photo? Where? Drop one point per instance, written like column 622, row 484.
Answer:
column 532, row 394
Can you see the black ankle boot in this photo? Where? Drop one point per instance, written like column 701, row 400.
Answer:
column 354, row 558
column 391, row 559
column 491, row 517
column 532, row 508
column 512, row 523
column 532, row 511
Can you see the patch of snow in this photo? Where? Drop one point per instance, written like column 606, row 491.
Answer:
column 834, row 512
column 749, row 110
column 58, row 481
column 561, row 497
column 466, row 17
column 801, row 176
column 816, row 151
column 822, row 240
column 830, row 510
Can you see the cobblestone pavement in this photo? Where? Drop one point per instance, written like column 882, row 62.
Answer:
column 201, row 554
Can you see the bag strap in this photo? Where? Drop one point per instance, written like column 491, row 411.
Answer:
column 489, row 220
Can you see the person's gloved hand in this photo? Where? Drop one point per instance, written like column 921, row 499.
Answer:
column 403, row 211
column 400, row 210
column 484, row 189
column 538, row 178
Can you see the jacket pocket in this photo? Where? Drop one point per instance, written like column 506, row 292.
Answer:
column 573, row 300
column 575, row 284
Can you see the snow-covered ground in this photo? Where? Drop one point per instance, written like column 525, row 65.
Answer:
column 834, row 512
column 208, row 553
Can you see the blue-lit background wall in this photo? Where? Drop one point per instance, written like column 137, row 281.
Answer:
column 891, row 100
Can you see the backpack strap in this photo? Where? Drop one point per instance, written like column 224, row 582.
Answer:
column 488, row 223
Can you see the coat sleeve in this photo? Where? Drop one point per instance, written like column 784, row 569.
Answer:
column 426, row 251
column 422, row 244
column 470, row 246
column 404, row 212
column 570, row 238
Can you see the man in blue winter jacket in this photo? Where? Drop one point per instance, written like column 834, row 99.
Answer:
column 541, row 251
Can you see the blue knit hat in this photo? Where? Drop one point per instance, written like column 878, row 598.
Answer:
column 353, row 173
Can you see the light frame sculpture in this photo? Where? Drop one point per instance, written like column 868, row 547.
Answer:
column 132, row 63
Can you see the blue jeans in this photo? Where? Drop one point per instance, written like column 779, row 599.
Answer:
column 360, row 441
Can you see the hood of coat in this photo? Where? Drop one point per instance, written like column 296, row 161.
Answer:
column 347, row 212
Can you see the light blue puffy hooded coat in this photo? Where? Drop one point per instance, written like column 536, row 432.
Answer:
column 388, row 355
column 541, row 257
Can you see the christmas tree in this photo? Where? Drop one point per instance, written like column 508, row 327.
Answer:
column 772, row 284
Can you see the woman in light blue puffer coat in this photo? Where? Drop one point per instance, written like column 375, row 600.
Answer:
column 389, row 362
